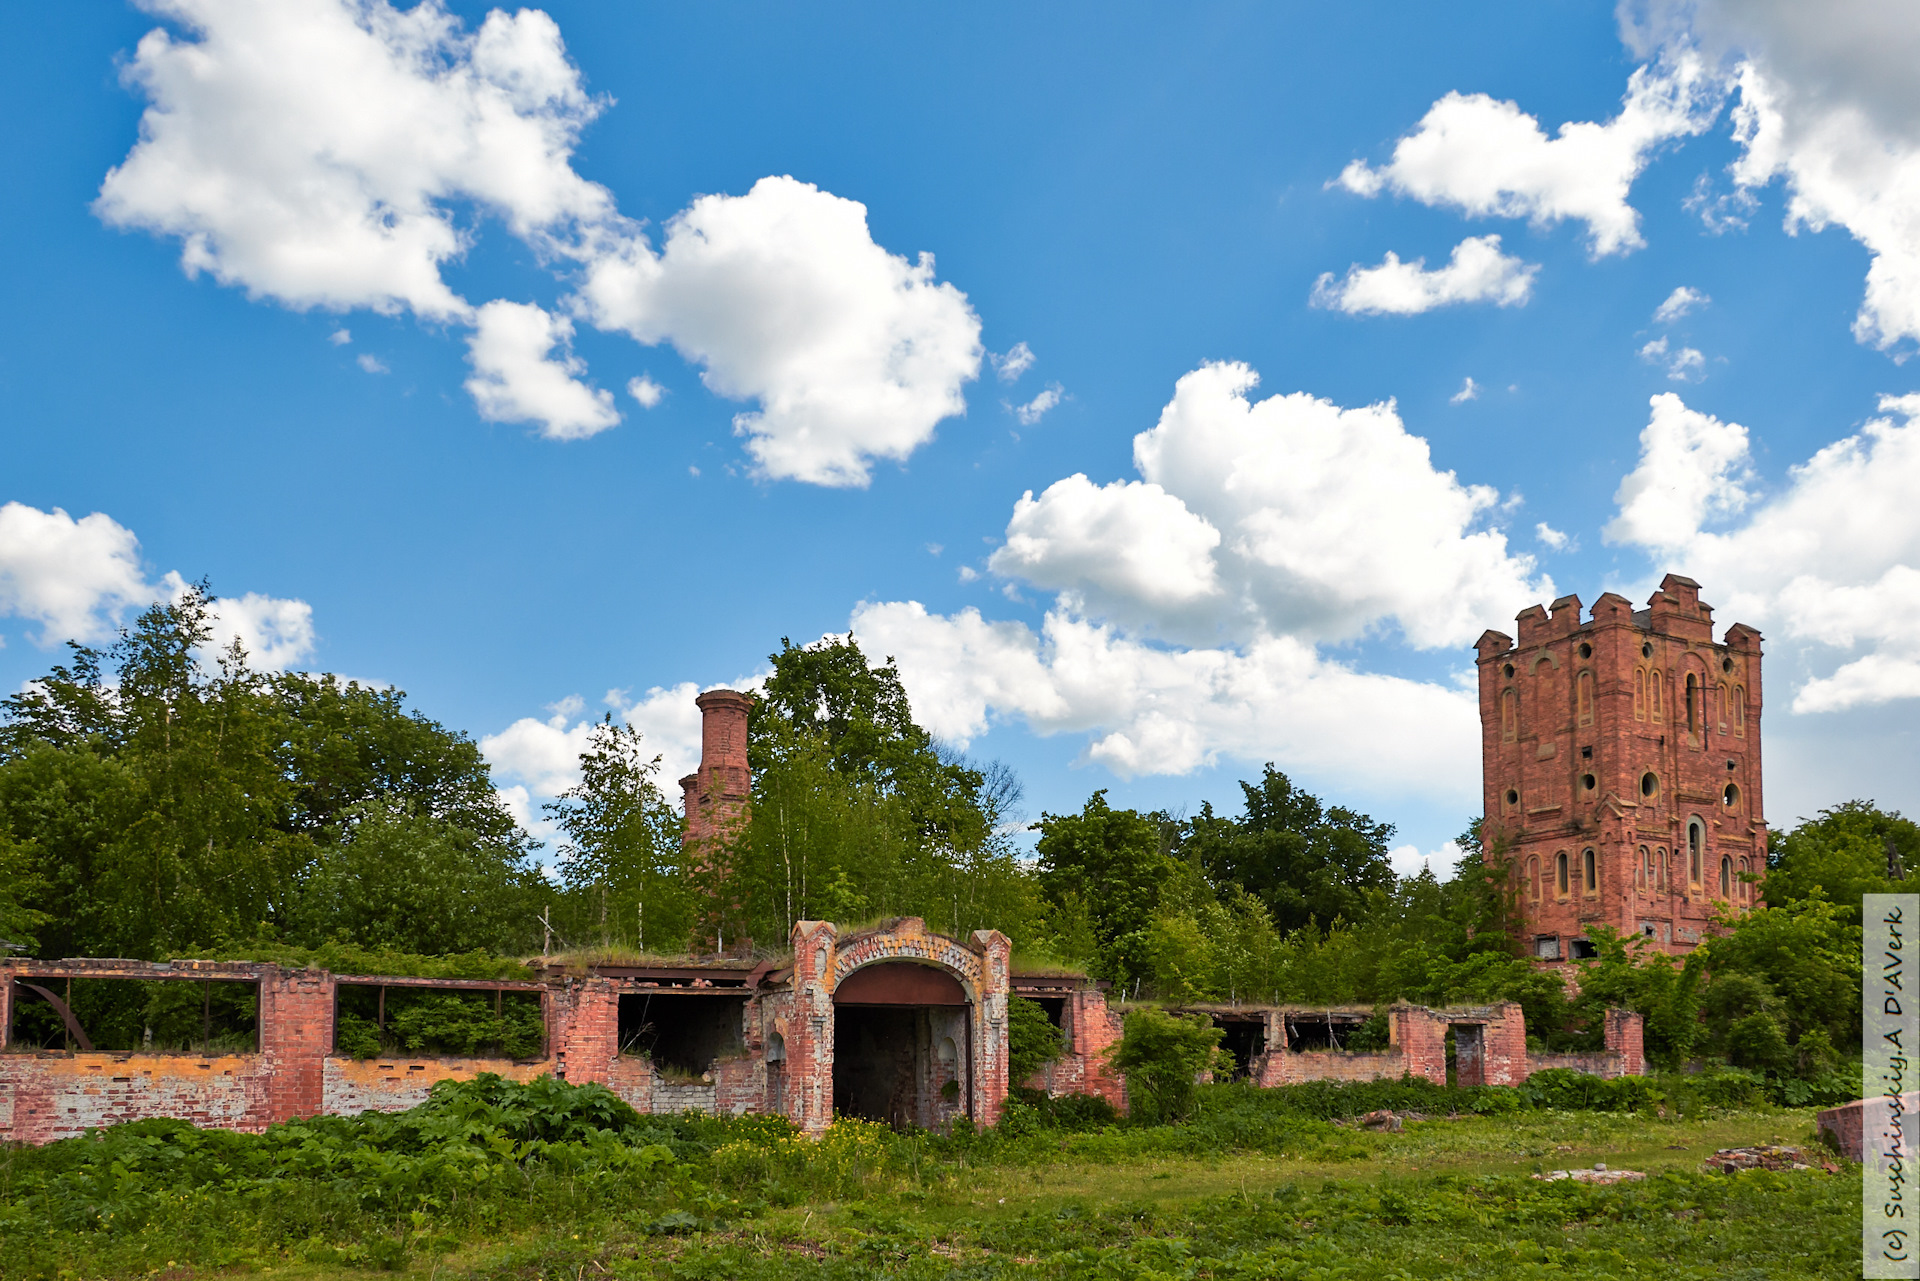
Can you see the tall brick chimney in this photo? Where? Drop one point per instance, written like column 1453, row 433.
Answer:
column 714, row 800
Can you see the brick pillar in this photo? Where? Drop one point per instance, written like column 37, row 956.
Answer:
column 989, row 1068
column 1096, row 1034
column 1626, row 1036
column 6, row 1006
column 714, row 800
column 1421, row 1038
column 1505, row 1045
column 296, row 1035
column 583, row 1030
column 810, row 1027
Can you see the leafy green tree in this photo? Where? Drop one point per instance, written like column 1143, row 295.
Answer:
column 171, row 799
column 620, row 859
column 1117, row 861
column 1308, row 861
column 1841, row 856
column 857, row 813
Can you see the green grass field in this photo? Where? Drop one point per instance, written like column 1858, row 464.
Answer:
column 455, row 1194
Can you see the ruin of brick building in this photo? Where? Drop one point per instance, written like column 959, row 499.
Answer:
column 1621, row 765
column 894, row 1023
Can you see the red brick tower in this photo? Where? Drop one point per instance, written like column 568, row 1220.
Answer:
column 1621, row 763
column 714, row 800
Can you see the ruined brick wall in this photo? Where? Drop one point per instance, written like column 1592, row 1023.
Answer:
column 1092, row 1031
column 50, row 1096
column 1421, row 1037
column 1626, row 1037
column 1632, row 736
column 394, row 1084
column 808, row 1026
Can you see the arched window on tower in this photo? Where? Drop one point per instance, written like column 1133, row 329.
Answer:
column 1646, row 868
column 1655, row 682
column 1533, row 879
column 1560, row 874
column 1584, row 697
column 1639, row 693
column 1723, row 697
column 1509, row 715
column 1726, row 877
column 1693, row 697
column 1696, row 851
column 1745, row 891
column 1740, row 710
column 1589, row 873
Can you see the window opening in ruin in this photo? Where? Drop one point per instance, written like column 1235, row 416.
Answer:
column 1533, row 879
column 1560, row 873
column 1546, row 947
column 1731, row 796
column 1639, row 693
column 1586, row 650
column 1646, row 649
column 1740, row 711
column 1509, row 670
column 1244, row 1037
column 1588, row 782
column 1726, row 877
column 1649, row 783
column 683, row 1034
column 1696, row 843
column 1513, row 797
column 426, row 1019
column 1726, row 664
column 1584, row 950
column 1589, row 872
column 1586, row 753
column 1721, row 698
column 1661, row 859
column 888, row 1021
column 1692, row 698
column 1584, row 698
column 1741, row 887
column 1646, row 929
column 1655, row 682
column 1509, row 715
column 188, row 1015
column 1055, row 1007
column 1331, row 1030
column 776, row 1073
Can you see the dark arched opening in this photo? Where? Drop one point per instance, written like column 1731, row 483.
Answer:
column 902, row 1044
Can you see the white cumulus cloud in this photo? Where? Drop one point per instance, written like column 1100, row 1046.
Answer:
column 524, row 370
column 1828, row 103
column 1831, row 561
column 1489, row 158
column 781, row 295
column 1683, row 364
column 1476, row 272
column 1036, row 409
column 79, row 579
column 646, row 391
column 311, row 151
column 1018, row 360
column 1148, row 710
column 1678, row 303
column 76, row 578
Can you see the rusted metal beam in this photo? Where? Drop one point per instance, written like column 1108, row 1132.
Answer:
column 61, row 1008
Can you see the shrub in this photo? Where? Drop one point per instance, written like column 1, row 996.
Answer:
column 1032, row 1039
column 1163, row 1056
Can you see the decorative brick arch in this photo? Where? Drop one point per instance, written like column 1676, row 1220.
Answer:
column 822, row 961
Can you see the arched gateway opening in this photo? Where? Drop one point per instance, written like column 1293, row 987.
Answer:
column 900, row 1044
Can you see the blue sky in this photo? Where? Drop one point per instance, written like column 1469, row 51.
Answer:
column 353, row 326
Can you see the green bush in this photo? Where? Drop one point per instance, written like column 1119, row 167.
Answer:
column 1163, row 1056
column 1032, row 1039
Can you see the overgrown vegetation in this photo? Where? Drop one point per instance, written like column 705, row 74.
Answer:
column 493, row 1179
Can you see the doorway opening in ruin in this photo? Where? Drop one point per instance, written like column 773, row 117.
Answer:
column 1466, row 1054
column 902, row 1045
column 197, row 1016
column 1245, row 1037
column 682, row 1033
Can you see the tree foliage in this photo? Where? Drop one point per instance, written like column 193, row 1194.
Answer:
column 161, row 798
